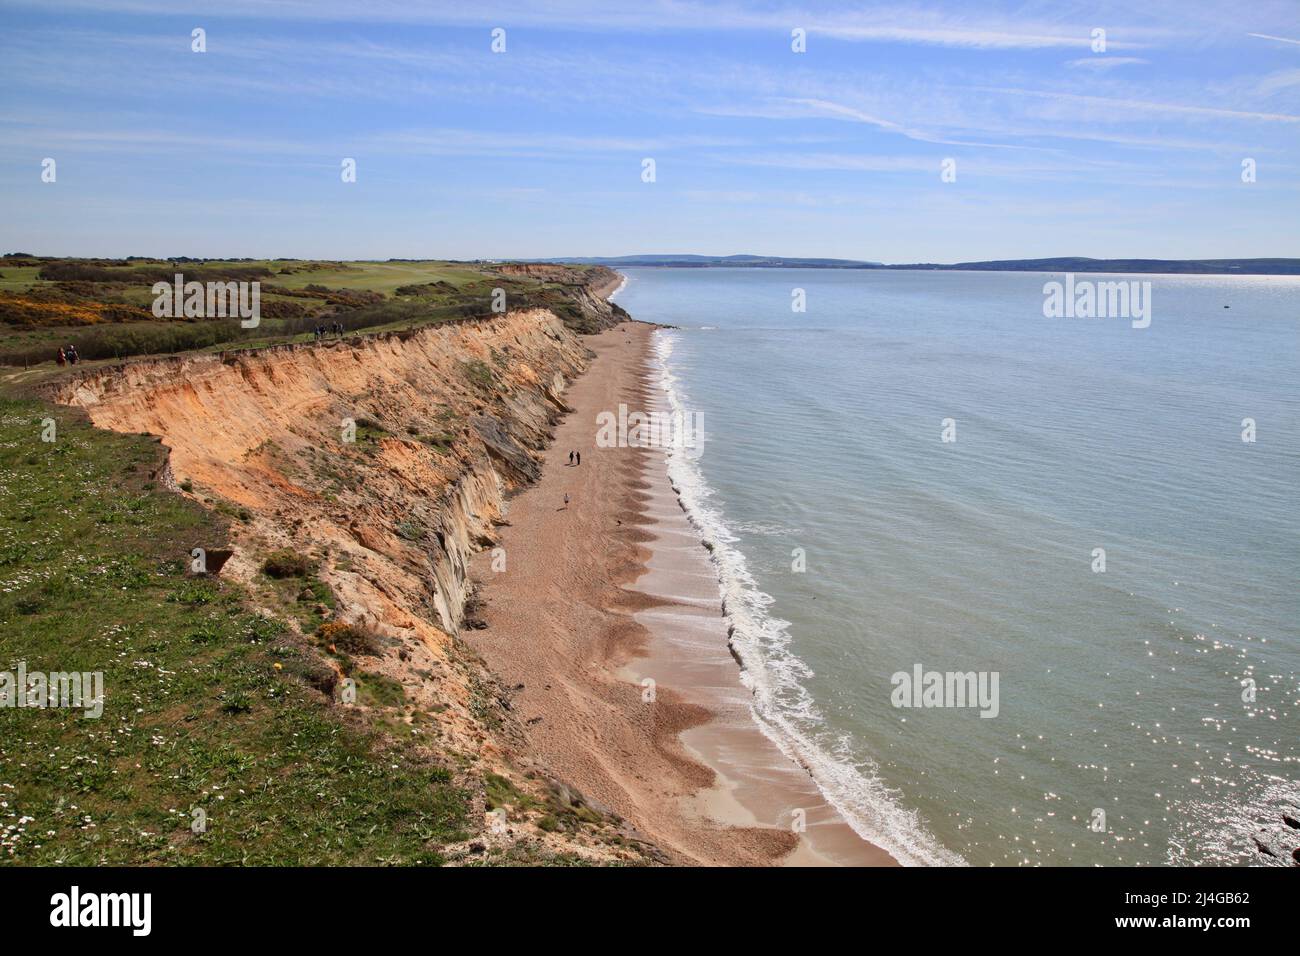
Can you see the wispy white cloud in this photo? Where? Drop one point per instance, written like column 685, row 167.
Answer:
column 1265, row 36
column 1147, row 107
column 840, row 111
column 904, row 23
column 449, row 142
column 960, row 35
column 1016, row 130
column 440, row 141
column 926, row 168
column 1275, row 82
column 1100, row 63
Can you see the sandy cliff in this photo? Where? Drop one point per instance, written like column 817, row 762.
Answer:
column 579, row 298
column 387, row 459
column 394, row 451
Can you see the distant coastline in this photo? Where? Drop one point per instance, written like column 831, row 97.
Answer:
column 1275, row 266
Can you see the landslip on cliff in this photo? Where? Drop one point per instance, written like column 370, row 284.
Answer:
column 385, row 461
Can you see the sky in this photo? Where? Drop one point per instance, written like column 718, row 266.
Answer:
column 1052, row 145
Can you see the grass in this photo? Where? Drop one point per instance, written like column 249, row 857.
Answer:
column 384, row 276
column 208, row 706
column 555, row 813
column 376, row 690
column 478, row 372
column 17, row 278
column 299, row 596
column 104, row 307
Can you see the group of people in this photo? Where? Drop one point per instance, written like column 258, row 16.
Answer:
column 334, row 327
column 575, row 458
column 68, row 356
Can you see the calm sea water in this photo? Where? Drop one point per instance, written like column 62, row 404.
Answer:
column 1119, row 691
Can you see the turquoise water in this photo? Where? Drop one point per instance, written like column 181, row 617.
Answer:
column 1119, row 691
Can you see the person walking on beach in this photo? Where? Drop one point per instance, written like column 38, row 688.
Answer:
column 570, row 458
column 579, row 454
column 566, row 499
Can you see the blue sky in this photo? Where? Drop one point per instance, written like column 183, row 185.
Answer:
column 537, row 151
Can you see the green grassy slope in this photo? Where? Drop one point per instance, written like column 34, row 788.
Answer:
column 207, row 705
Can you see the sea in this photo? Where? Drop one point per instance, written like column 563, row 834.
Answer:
column 1016, row 587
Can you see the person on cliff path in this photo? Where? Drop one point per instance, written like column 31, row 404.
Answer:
column 63, row 360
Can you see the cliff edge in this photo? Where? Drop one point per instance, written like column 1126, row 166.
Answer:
column 383, row 462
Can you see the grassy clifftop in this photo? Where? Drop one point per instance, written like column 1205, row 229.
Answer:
column 103, row 306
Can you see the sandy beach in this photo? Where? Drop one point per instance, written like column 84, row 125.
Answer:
column 608, row 623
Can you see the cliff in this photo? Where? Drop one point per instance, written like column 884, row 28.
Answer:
column 394, row 450
column 579, row 296
column 386, row 461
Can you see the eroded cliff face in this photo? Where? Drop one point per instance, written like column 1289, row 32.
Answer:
column 394, row 452
column 386, row 459
column 581, row 299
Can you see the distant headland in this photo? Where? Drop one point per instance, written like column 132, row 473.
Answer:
column 1058, row 264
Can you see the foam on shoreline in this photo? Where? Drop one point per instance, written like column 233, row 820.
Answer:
column 780, row 705
column 621, row 286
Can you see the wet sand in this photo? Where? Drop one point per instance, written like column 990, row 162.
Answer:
column 608, row 614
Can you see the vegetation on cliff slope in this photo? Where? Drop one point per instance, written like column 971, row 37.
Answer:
column 211, row 712
column 104, row 306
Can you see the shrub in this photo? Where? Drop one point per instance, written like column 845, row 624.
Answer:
column 125, row 339
column 321, row 676
column 286, row 564
column 349, row 638
column 410, row 530
column 477, row 371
